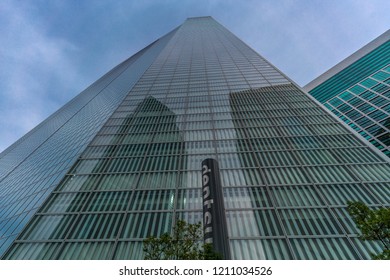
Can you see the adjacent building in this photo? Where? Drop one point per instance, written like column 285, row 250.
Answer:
column 357, row 90
column 122, row 160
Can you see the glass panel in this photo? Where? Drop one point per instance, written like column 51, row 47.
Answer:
column 246, row 198
column 97, row 226
column 33, row 251
column 367, row 248
column 79, row 182
column 142, row 225
column 49, row 227
column 191, row 217
column 373, row 172
column 190, row 199
column 86, row 251
column 108, row 202
column 286, row 176
column 154, row 180
column 381, row 191
column 323, row 249
column 345, row 220
column 296, row 196
column 117, row 182
column 340, row 194
column 309, row 222
column 68, row 202
column 330, row 174
column 153, row 200
column 266, row 249
column 253, row 223
column 315, row 157
column 129, row 250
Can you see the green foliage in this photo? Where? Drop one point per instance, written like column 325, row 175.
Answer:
column 210, row 254
column 373, row 224
column 183, row 244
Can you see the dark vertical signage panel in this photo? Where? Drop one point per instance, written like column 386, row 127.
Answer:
column 214, row 219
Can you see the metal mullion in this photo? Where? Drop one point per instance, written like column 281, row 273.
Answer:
column 104, row 221
column 148, row 149
column 316, row 187
column 150, row 196
column 60, row 247
column 263, row 177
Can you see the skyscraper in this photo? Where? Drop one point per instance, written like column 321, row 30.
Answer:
column 122, row 160
column 357, row 90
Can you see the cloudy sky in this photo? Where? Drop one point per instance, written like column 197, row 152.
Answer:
column 52, row 50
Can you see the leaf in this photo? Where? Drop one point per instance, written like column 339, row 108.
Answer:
column 373, row 224
column 183, row 244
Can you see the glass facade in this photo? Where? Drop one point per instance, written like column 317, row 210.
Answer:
column 359, row 93
column 34, row 165
column 287, row 167
column 366, row 108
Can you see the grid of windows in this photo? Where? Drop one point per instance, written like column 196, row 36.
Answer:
column 366, row 108
column 32, row 167
column 377, row 56
column 357, row 91
column 287, row 167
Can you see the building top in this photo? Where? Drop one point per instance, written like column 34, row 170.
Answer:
column 202, row 17
column 349, row 60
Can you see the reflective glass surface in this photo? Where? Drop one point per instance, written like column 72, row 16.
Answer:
column 287, row 167
column 366, row 108
column 359, row 93
column 33, row 166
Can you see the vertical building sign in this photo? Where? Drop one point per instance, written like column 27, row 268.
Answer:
column 214, row 219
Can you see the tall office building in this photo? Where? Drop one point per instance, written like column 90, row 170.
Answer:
column 357, row 90
column 122, row 160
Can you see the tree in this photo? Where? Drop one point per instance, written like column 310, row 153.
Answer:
column 183, row 244
column 373, row 224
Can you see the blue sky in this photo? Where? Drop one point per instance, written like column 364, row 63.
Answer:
column 52, row 50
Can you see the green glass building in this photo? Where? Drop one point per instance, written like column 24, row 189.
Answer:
column 122, row 160
column 357, row 90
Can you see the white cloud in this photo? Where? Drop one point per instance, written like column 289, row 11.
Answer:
column 32, row 62
column 40, row 71
column 305, row 38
